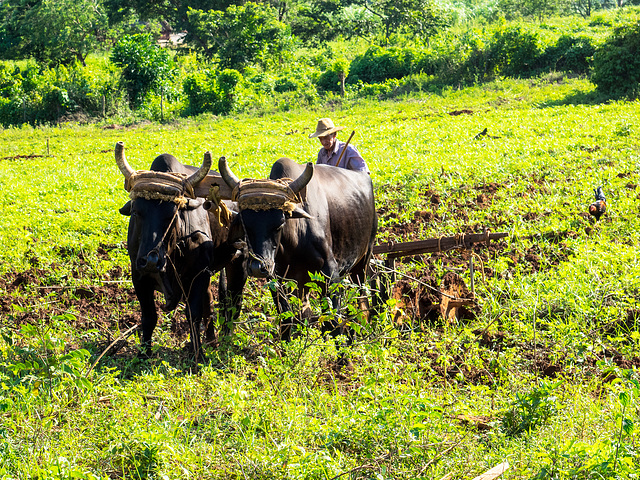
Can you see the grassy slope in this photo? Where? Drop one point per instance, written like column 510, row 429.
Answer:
column 558, row 292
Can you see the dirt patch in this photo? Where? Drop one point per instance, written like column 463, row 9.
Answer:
column 464, row 111
column 421, row 303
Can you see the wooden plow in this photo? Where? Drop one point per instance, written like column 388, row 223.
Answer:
column 451, row 300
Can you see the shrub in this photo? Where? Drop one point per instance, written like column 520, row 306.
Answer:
column 514, row 52
column 146, row 68
column 207, row 92
column 570, row 54
column 379, row 64
column 616, row 64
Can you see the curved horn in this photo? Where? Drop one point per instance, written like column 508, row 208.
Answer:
column 123, row 165
column 202, row 171
column 301, row 182
column 227, row 175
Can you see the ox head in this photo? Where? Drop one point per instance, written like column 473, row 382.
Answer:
column 264, row 217
column 160, row 203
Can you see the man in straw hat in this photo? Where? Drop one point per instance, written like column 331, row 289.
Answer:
column 332, row 148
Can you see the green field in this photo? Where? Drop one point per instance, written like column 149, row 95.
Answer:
column 543, row 377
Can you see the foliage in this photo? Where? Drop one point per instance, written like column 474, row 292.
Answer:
column 240, row 36
column 38, row 94
column 530, row 410
column 570, row 54
column 52, row 31
column 420, row 19
column 146, row 68
column 616, row 65
column 378, row 64
column 207, row 92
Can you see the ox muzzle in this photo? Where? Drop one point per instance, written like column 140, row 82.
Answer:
column 153, row 262
column 260, row 268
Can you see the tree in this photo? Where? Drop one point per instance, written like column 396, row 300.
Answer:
column 319, row 21
column 240, row 35
column 51, row 31
column 146, row 68
column 175, row 12
column 419, row 18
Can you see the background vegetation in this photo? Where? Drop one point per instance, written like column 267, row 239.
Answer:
column 99, row 59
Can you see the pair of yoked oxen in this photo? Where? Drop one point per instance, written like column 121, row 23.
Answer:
column 326, row 224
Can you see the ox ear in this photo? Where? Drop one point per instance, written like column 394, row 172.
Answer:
column 299, row 213
column 126, row 209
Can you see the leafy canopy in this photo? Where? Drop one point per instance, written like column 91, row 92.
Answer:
column 240, row 36
column 146, row 68
column 51, row 31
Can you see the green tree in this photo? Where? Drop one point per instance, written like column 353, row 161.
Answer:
column 175, row 12
column 51, row 31
column 421, row 19
column 240, row 35
column 146, row 68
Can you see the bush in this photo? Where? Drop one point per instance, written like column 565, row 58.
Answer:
column 514, row 52
column 616, row 64
column 207, row 92
column 570, row 54
column 146, row 68
column 379, row 64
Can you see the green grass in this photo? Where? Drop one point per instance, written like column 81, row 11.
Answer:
column 540, row 372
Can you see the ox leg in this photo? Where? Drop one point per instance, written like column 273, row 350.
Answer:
column 232, row 282
column 199, row 294
column 208, row 315
column 149, row 315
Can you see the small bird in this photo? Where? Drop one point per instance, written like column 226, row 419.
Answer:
column 598, row 207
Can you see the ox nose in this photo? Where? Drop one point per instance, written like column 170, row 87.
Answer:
column 259, row 269
column 150, row 262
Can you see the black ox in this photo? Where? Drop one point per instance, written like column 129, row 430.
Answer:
column 330, row 231
column 174, row 246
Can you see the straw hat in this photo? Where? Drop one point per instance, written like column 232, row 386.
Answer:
column 325, row 127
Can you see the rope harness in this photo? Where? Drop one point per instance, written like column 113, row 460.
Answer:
column 265, row 195
column 163, row 186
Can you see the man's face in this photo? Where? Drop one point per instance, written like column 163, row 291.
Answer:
column 328, row 141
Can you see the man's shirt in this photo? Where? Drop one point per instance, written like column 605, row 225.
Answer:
column 351, row 158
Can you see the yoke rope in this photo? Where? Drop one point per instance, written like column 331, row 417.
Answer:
column 252, row 194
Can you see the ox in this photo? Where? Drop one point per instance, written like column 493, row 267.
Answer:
column 326, row 224
column 174, row 246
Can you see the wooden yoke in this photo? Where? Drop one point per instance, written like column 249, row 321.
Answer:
column 212, row 178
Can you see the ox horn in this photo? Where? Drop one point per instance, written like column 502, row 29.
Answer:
column 197, row 177
column 121, row 160
column 227, row 175
column 301, row 182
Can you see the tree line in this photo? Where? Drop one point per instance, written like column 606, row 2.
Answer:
column 265, row 55
column 242, row 32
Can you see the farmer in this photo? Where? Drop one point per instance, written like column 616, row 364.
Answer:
column 332, row 148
